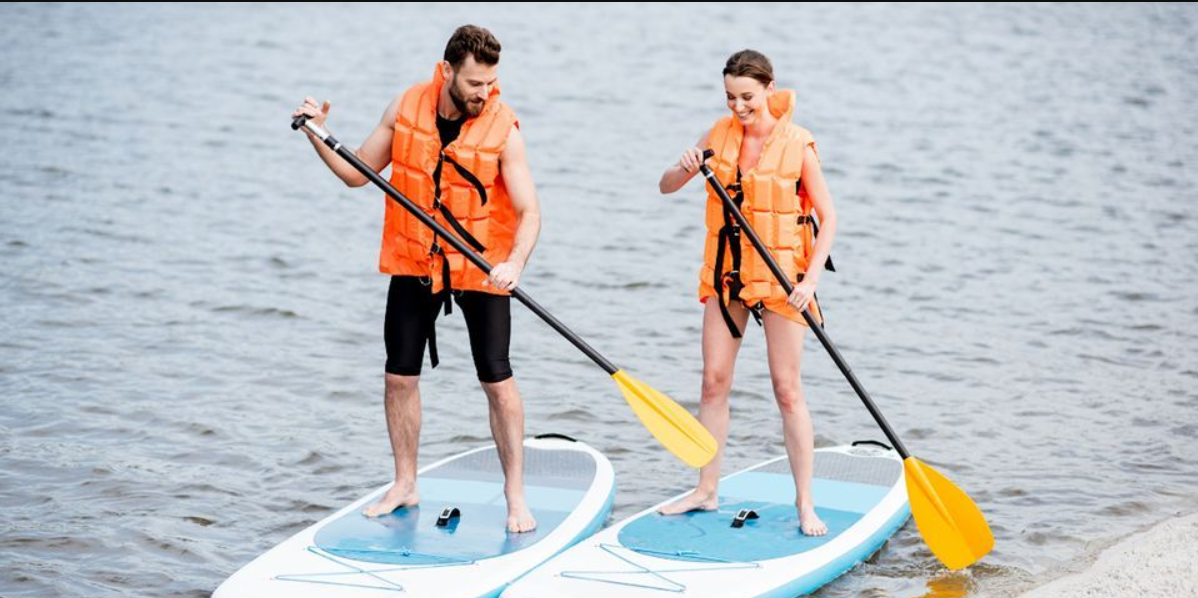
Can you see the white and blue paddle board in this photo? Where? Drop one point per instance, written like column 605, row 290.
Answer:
column 432, row 551
column 859, row 491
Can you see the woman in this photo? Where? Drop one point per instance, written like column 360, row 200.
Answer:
column 770, row 164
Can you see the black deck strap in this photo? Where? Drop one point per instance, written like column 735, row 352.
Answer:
column 742, row 516
column 555, row 435
column 873, row 442
column 448, row 514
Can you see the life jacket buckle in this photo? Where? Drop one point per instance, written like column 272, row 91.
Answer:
column 756, row 311
column 731, row 280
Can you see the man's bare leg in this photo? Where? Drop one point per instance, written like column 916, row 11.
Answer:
column 402, row 405
column 507, row 426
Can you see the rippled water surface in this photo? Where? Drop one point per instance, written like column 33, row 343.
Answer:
column 190, row 317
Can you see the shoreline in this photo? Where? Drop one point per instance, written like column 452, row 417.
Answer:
column 1161, row 561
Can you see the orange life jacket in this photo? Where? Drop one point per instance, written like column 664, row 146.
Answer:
column 459, row 186
column 773, row 201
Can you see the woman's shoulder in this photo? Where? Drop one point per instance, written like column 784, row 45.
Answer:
column 798, row 133
column 717, row 132
column 723, row 123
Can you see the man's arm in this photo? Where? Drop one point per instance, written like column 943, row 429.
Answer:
column 375, row 151
column 513, row 166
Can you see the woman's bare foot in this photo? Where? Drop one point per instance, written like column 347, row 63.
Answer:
column 810, row 523
column 519, row 518
column 397, row 496
column 697, row 500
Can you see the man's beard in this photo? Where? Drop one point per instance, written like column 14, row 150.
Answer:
column 469, row 109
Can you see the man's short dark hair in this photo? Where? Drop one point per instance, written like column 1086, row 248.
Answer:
column 472, row 40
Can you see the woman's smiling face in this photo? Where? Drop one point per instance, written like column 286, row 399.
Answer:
column 746, row 97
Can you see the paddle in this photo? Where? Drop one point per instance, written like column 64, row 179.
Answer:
column 674, row 427
column 951, row 524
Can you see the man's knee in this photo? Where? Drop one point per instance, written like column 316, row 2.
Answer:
column 401, row 387
column 503, row 395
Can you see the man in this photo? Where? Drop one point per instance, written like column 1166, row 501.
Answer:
column 457, row 152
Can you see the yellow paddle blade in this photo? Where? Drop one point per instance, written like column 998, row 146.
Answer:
column 674, row 427
column 950, row 523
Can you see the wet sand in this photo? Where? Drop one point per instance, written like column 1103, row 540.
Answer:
column 1162, row 561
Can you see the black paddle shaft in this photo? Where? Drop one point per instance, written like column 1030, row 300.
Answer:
column 458, row 244
column 764, row 252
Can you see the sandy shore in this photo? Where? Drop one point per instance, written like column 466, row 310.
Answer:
column 1162, row 561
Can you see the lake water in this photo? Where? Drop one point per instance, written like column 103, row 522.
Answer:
column 191, row 318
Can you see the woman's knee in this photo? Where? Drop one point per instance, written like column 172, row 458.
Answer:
column 789, row 395
column 716, row 385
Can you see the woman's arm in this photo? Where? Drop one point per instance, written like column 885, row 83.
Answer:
column 821, row 199
column 677, row 175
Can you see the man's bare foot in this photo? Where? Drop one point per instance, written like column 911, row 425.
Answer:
column 697, row 500
column 519, row 518
column 396, row 496
column 810, row 523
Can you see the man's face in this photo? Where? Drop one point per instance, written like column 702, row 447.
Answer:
column 471, row 84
